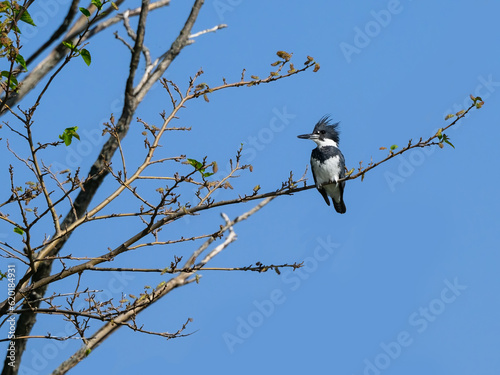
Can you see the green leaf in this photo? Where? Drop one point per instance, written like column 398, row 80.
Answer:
column 70, row 45
column 199, row 167
column 25, row 17
column 66, row 139
column 447, row 141
column 195, row 163
column 18, row 231
column 97, row 4
column 393, row 147
column 20, row 61
column 6, row 73
column 86, row 56
column 13, row 80
column 85, row 12
column 68, row 134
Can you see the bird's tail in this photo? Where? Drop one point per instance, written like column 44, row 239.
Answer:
column 339, row 206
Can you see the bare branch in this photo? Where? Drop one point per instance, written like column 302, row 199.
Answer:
column 147, row 300
column 212, row 30
column 97, row 172
column 73, row 10
column 59, row 52
column 257, row 268
column 287, row 189
column 50, row 337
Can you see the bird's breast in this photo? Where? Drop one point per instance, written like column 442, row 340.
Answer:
column 328, row 170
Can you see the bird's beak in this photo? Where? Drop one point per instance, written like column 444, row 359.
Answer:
column 308, row 136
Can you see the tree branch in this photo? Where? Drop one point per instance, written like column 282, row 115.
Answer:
column 36, row 75
column 288, row 188
column 26, row 320
column 257, row 268
column 147, row 300
column 73, row 9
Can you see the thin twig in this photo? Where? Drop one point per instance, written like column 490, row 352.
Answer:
column 212, row 30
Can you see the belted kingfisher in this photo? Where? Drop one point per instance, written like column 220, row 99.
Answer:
column 327, row 162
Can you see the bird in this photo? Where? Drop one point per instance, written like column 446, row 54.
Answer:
column 327, row 162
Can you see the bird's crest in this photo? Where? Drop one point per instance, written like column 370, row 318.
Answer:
column 331, row 129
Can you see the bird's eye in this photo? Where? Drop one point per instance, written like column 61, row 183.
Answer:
column 322, row 132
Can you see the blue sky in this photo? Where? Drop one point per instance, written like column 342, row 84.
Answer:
column 406, row 282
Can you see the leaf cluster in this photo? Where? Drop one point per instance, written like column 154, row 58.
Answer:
column 10, row 14
column 68, row 135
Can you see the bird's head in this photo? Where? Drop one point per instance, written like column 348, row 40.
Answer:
column 324, row 134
